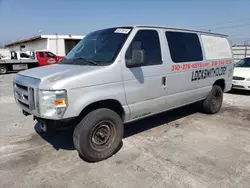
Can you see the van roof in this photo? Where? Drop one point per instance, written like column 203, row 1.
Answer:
column 180, row 29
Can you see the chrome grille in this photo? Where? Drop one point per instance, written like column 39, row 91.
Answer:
column 238, row 78
column 22, row 87
column 32, row 98
column 24, row 95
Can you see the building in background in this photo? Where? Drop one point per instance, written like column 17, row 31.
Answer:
column 240, row 52
column 58, row 44
column 4, row 52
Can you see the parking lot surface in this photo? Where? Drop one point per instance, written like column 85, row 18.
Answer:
column 180, row 148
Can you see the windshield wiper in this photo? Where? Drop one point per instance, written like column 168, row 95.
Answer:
column 87, row 60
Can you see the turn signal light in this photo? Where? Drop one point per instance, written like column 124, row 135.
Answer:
column 59, row 102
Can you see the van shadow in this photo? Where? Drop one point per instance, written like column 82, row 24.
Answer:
column 160, row 120
column 239, row 92
column 59, row 139
column 64, row 139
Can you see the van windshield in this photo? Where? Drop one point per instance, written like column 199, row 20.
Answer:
column 98, row 48
column 243, row 63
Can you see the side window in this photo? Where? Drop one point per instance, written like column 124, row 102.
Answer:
column 24, row 55
column 49, row 54
column 147, row 40
column 41, row 54
column 184, row 47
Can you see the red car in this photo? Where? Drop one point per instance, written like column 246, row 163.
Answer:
column 47, row 58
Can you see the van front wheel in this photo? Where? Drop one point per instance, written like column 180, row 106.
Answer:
column 213, row 102
column 99, row 135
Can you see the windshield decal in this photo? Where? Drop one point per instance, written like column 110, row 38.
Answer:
column 123, row 31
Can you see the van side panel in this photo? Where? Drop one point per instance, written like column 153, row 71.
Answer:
column 191, row 68
column 219, row 63
column 181, row 90
column 82, row 97
column 144, row 88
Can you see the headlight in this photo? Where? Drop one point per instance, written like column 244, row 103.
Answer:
column 52, row 103
column 248, row 79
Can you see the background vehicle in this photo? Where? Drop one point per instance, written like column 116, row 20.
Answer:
column 18, row 61
column 118, row 75
column 20, row 55
column 26, row 60
column 241, row 77
column 4, row 57
column 46, row 57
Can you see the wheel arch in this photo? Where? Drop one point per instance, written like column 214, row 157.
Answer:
column 111, row 104
column 221, row 83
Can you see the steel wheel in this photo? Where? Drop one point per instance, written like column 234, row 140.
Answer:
column 217, row 98
column 213, row 102
column 102, row 135
column 98, row 135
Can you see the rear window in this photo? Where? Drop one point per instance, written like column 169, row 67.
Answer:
column 184, row 47
column 41, row 54
column 24, row 55
column 49, row 54
column 216, row 47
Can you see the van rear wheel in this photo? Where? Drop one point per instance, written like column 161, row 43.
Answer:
column 98, row 135
column 212, row 104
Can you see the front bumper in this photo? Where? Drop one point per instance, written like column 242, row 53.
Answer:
column 242, row 85
column 57, row 124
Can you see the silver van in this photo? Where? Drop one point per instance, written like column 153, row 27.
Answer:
column 119, row 75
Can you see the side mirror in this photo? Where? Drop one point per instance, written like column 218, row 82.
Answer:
column 138, row 59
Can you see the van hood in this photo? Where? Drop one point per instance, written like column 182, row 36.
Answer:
column 57, row 71
column 64, row 76
column 242, row 72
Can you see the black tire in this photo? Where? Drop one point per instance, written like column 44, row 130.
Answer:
column 212, row 104
column 3, row 69
column 98, row 135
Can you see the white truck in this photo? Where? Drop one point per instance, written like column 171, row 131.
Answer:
column 17, row 61
column 119, row 75
column 26, row 60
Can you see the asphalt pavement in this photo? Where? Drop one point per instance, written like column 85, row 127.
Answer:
column 180, row 148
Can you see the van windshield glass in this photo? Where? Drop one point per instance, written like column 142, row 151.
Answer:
column 98, row 48
column 243, row 63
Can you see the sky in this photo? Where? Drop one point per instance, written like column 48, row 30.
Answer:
column 21, row 19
